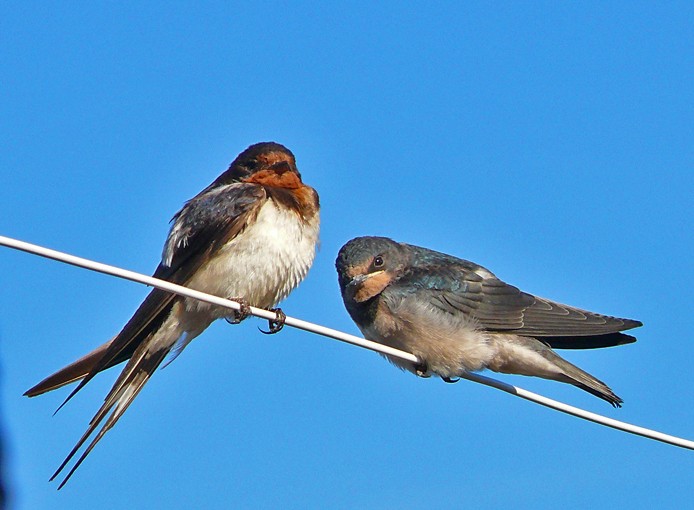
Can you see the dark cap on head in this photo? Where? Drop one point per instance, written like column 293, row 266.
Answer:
column 257, row 157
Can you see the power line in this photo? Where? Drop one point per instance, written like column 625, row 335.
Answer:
column 339, row 335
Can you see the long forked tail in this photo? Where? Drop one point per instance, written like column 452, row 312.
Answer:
column 129, row 383
column 74, row 371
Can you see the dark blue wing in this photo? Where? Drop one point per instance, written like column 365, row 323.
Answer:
column 199, row 229
column 459, row 286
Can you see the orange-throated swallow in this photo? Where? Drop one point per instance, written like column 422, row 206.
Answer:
column 458, row 317
column 249, row 236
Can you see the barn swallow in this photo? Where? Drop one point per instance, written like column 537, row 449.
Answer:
column 249, row 236
column 458, row 317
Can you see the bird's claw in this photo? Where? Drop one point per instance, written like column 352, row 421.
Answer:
column 422, row 369
column 450, row 380
column 240, row 314
column 275, row 325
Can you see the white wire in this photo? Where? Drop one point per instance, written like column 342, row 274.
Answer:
column 339, row 335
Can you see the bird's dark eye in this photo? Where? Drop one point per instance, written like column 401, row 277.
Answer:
column 378, row 261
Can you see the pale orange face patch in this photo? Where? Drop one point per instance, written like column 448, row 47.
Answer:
column 372, row 286
column 353, row 271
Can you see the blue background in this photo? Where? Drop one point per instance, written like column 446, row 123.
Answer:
column 550, row 142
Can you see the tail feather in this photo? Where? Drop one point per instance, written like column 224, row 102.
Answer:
column 529, row 356
column 130, row 382
column 604, row 393
column 581, row 379
column 74, row 371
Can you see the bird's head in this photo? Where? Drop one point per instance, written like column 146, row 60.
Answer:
column 367, row 265
column 265, row 162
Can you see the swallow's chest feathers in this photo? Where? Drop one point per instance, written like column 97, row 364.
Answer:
column 264, row 262
column 447, row 344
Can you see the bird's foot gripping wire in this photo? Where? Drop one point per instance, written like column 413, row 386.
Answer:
column 422, row 369
column 275, row 325
column 450, row 379
column 240, row 314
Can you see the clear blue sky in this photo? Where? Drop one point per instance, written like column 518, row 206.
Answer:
column 550, row 142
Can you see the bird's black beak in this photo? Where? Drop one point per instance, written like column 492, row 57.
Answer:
column 355, row 284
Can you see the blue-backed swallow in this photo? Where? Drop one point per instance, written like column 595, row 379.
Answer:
column 458, row 317
column 250, row 236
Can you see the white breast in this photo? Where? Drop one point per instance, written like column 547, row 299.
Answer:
column 262, row 264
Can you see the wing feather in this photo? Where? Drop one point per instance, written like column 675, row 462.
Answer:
column 456, row 286
column 198, row 230
column 205, row 223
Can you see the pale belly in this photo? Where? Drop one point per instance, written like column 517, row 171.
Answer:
column 263, row 265
column 447, row 345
